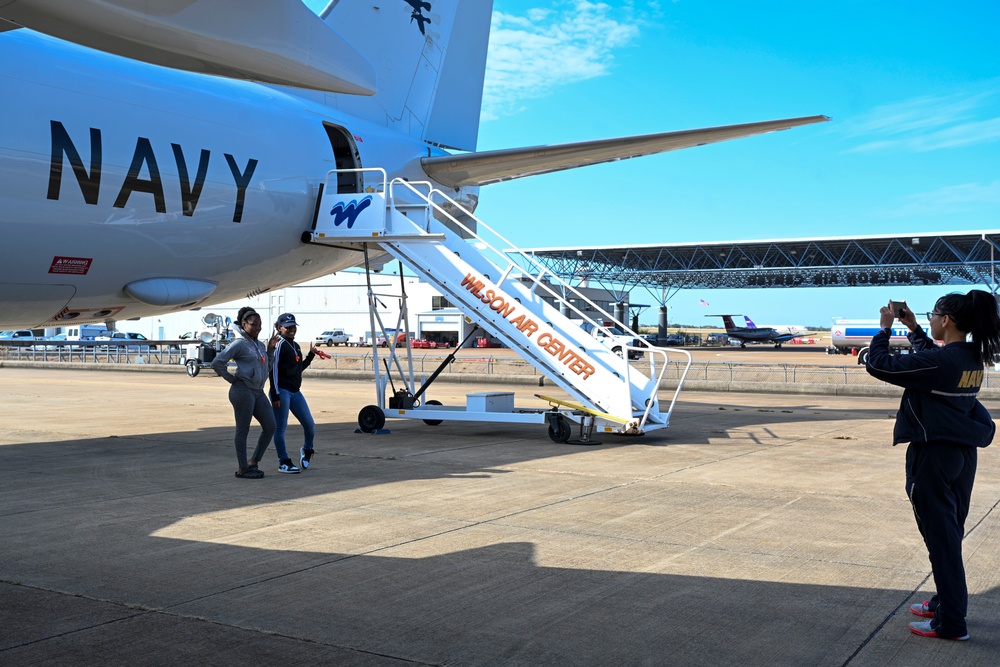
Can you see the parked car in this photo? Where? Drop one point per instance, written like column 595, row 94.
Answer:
column 128, row 339
column 195, row 336
column 430, row 344
column 674, row 340
column 56, row 338
column 615, row 339
column 21, row 334
column 333, row 337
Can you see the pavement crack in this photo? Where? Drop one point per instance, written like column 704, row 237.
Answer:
column 913, row 592
column 190, row 617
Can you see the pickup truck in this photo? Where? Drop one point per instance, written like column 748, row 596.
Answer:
column 126, row 339
column 615, row 339
column 333, row 337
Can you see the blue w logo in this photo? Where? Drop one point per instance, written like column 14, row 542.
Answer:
column 349, row 211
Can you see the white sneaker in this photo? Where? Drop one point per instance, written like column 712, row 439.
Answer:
column 924, row 629
column 288, row 467
column 304, row 456
column 922, row 609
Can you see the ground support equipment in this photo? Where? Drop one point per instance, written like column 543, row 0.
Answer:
column 511, row 296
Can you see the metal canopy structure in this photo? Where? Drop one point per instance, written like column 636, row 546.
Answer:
column 953, row 258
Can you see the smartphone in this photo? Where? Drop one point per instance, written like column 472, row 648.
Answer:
column 897, row 308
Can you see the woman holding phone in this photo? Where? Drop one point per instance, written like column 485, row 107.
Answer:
column 945, row 425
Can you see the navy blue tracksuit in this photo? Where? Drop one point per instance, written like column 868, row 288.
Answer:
column 945, row 424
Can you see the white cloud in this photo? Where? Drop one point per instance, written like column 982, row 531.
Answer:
column 951, row 199
column 532, row 55
column 930, row 123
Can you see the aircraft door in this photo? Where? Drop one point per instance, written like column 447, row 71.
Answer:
column 345, row 156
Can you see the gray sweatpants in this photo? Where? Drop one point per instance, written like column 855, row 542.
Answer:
column 248, row 404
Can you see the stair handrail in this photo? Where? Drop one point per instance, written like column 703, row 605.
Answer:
column 653, row 351
column 380, row 170
column 505, row 255
column 659, row 379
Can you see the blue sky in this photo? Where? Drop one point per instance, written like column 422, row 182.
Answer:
column 913, row 89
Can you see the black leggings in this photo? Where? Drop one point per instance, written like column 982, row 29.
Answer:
column 939, row 478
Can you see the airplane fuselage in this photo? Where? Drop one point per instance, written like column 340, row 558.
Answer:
column 130, row 190
column 759, row 335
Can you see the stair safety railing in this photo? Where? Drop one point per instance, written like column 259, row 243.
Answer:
column 542, row 279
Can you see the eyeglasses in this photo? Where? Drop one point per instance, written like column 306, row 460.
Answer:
column 931, row 313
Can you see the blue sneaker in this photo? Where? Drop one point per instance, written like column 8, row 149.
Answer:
column 304, row 456
column 287, row 466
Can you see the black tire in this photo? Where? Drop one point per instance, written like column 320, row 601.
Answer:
column 562, row 430
column 433, row 422
column 371, row 418
column 192, row 367
column 619, row 352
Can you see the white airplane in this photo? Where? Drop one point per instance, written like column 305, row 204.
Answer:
column 156, row 157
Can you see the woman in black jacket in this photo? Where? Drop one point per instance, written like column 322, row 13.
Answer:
column 286, row 382
column 945, row 424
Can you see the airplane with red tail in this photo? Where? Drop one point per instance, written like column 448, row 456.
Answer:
column 754, row 334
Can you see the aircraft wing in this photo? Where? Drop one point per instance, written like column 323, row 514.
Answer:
column 488, row 167
column 270, row 41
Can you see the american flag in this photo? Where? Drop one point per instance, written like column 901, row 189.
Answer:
column 703, row 302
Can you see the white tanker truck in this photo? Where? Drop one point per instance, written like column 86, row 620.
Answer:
column 847, row 336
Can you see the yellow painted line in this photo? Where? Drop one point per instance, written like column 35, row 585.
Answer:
column 582, row 408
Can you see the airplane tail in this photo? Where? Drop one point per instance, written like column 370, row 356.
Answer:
column 727, row 320
column 750, row 324
column 430, row 61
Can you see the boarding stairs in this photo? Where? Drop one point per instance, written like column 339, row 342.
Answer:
column 505, row 297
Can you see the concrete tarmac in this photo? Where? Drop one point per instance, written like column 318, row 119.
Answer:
column 757, row 529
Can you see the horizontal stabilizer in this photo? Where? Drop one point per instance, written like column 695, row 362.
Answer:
column 504, row 165
column 269, row 41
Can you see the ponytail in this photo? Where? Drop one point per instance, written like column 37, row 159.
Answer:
column 975, row 313
column 986, row 325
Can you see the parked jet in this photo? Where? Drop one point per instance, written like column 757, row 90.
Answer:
column 754, row 334
column 780, row 328
column 170, row 155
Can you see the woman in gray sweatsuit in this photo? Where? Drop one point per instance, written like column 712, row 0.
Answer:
column 246, row 390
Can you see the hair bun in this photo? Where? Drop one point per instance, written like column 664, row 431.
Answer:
column 244, row 313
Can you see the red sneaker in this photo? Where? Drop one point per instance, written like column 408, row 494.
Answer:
column 924, row 629
column 922, row 609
